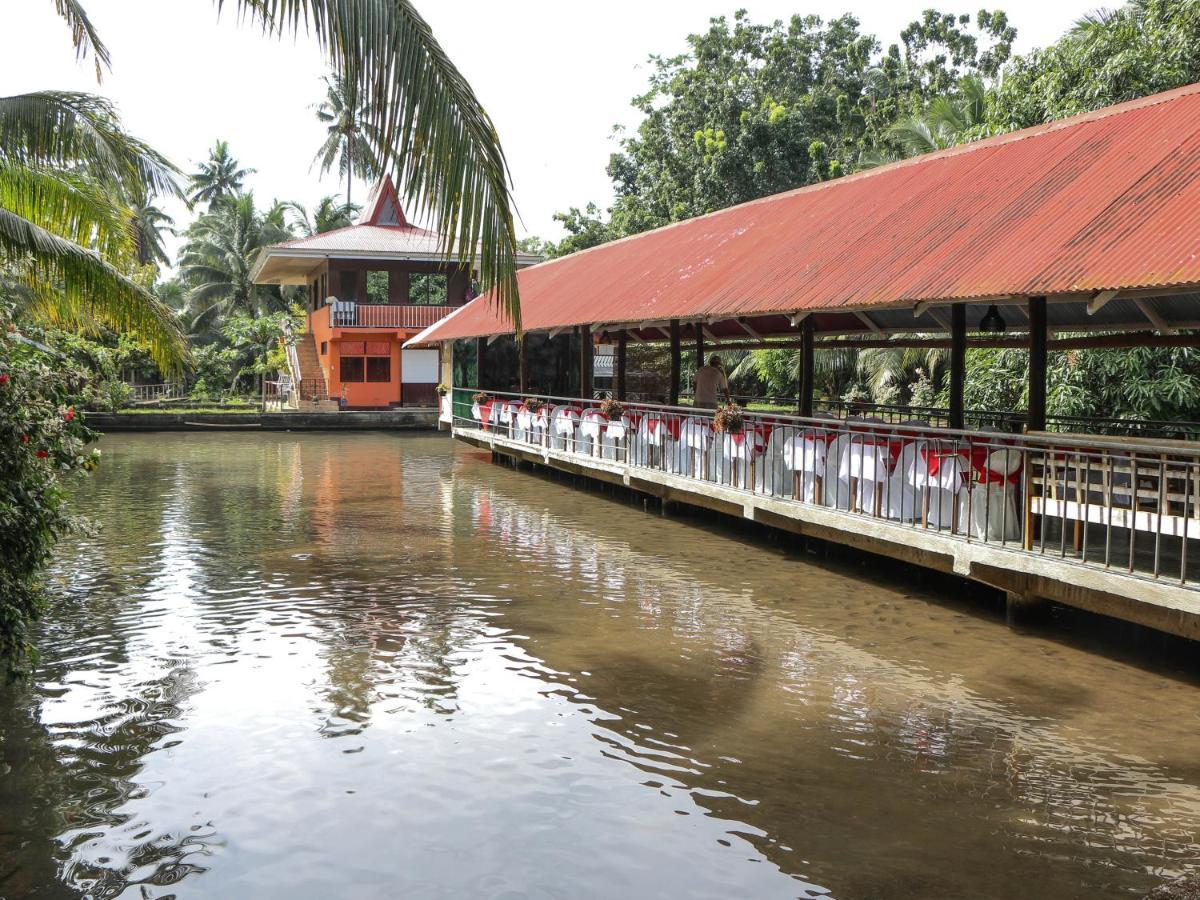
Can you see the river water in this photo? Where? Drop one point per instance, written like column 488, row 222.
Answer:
column 382, row 666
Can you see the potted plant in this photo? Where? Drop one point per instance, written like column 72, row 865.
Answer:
column 729, row 419
column 481, row 398
column 612, row 409
column 442, row 390
column 533, row 404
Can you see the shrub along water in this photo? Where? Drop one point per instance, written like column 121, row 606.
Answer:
column 43, row 444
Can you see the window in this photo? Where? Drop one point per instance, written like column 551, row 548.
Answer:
column 428, row 290
column 352, row 368
column 324, row 348
column 377, row 287
column 379, row 368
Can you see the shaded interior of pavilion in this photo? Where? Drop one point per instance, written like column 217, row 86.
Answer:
column 562, row 362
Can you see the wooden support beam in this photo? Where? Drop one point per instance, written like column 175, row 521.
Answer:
column 699, row 345
column 958, row 364
column 622, row 355
column 798, row 318
column 804, row 386
column 495, row 337
column 1036, row 418
column 1083, row 342
column 480, row 357
column 1099, row 301
column 746, row 328
column 1152, row 315
column 674, row 386
column 523, row 363
column 585, row 362
column 869, row 322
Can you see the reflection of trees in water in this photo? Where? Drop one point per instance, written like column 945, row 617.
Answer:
column 707, row 691
column 70, row 797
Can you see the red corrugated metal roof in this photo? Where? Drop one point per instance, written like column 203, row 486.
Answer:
column 1102, row 201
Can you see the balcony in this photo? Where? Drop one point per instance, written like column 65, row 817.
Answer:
column 348, row 314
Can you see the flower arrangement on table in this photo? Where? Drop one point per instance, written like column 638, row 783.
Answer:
column 534, row 405
column 612, row 409
column 481, row 398
column 729, row 419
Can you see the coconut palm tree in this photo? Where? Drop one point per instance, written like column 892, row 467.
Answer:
column 67, row 242
column 149, row 222
column 348, row 143
column 443, row 145
column 328, row 214
column 217, row 259
column 946, row 122
column 217, row 177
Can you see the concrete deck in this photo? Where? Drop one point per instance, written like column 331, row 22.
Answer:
column 1024, row 575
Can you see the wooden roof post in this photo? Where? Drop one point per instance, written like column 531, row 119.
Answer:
column 1037, row 364
column 585, row 361
column 958, row 364
column 699, row 344
column 622, row 348
column 523, row 361
column 673, row 400
column 804, row 373
column 480, row 353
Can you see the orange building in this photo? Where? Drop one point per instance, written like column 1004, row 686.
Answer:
column 371, row 286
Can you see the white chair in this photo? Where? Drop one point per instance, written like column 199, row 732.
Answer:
column 804, row 454
column 941, row 483
column 836, row 488
column 692, row 446
column 613, row 439
column 865, row 466
column 989, row 508
column 508, row 410
column 591, row 430
column 772, row 475
column 732, row 456
column 904, row 497
column 562, row 428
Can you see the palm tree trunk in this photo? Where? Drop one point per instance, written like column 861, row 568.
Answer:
column 349, row 164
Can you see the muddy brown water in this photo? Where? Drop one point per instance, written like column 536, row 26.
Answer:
column 381, row 666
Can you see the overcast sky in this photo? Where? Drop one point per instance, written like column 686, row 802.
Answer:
column 555, row 75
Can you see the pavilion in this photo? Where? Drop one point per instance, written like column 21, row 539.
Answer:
column 1076, row 234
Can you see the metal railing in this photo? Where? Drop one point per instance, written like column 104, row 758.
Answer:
column 144, row 393
column 1120, row 504
column 348, row 314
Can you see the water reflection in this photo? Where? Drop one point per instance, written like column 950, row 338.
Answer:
column 368, row 666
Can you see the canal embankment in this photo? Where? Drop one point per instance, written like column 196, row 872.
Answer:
column 416, row 419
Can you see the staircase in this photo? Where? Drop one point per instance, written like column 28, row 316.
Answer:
column 312, row 394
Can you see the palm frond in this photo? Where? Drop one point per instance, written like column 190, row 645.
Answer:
column 83, row 34
column 441, row 144
column 69, row 285
column 68, row 129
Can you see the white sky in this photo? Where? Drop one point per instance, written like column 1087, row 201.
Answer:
column 555, row 75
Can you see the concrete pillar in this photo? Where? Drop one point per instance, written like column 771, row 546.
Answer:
column 1023, row 608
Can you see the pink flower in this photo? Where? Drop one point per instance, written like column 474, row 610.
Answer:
column 41, row 454
column 70, row 413
column 24, row 439
column 4, row 378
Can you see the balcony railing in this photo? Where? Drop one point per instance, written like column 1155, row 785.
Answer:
column 348, row 314
column 1116, row 503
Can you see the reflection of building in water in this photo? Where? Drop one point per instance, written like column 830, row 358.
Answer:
column 822, row 743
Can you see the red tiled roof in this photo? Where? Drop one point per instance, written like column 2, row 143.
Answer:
column 1103, row 201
